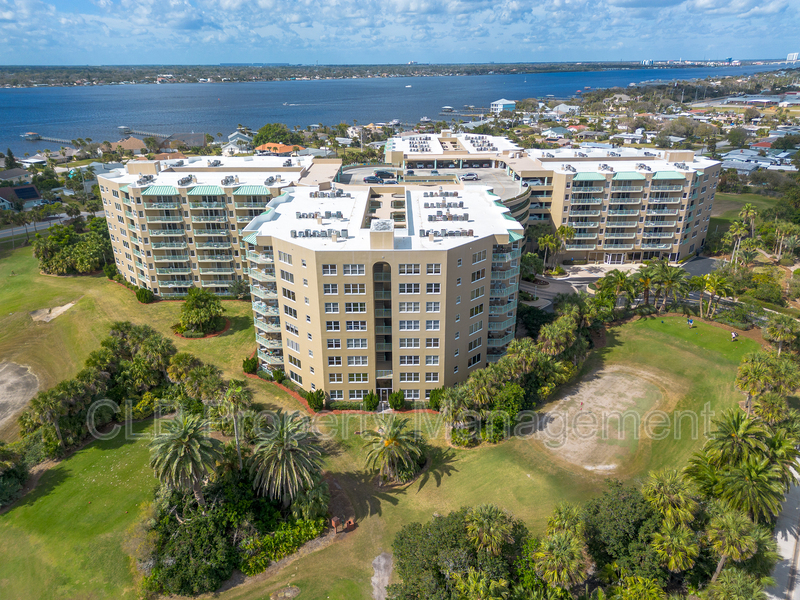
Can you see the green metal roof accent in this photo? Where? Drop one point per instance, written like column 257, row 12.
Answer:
column 252, row 190
column 584, row 176
column 206, row 190
column 124, row 188
column 160, row 190
column 513, row 236
column 251, row 239
column 627, row 176
column 509, row 217
column 669, row 175
column 500, row 204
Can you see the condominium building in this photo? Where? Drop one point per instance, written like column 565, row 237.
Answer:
column 177, row 223
column 383, row 288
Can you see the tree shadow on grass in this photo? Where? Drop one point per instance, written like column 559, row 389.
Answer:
column 238, row 323
column 441, row 464
column 366, row 497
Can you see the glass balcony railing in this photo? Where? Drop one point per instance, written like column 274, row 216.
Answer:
column 170, row 257
column 499, row 341
column 162, row 245
column 270, row 359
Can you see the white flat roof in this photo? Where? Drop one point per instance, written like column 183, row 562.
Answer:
column 482, row 216
column 587, row 160
column 437, row 144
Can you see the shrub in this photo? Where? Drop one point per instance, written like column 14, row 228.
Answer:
column 250, row 365
column 794, row 289
column 278, row 376
column 435, row 401
column 525, row 296
column 144, row 295
column 193, row 334
column 110, row 270
column 371, row 401
column 344, row 405
column 768, row 292
column 145, row 407
column 796, row 274
column 786, row 262
column 558, row 270
column 260, row 551
column 574, row 261
column 264, row 374
column 202, row 311
column 397, row 400
column 316, row 400
column 463, row 437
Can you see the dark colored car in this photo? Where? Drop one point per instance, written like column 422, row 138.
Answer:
column 372, row 179
column 409, row 172
column 434, row 172
column 385, row 174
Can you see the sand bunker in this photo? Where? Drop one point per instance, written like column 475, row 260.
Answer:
column 48, row 314
column 17, row 386
column 599, row 422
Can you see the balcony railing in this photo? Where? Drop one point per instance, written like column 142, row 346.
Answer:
column 506, row 256
column 622, row 223
column 383, row 295
column 618, row 246
column 584, row 213
column 260, row 257
column 259, row 275
column 250, row 204
column 622, row 212
column 496, row 310
column 212, row 245
column 501, row 325
column 263, row 293
column 666, row 188
column 219, row 270
column 499, row 341
column 216, row 282
column 269, row 343
column 656, row 246
column 586, row 224
column 586, row 190
column 619, row 236
column 662, row 211
column 161, row 205
column 383, row 374
column 660, row 223
column 584, row 236
column 581, row 246
column 381, row 277
column 132, row 227
column 170, row 257
column 501, row 291
column 383, row 313
column 170, row 283
column 161, row 245
column 265, row 309
column 164, row 219
column 157, row 232
column 173, row 271
column 658, row 234
column 214, row 257
column 245, row 218
column 222, row 232
column 383, row 330
column 383, row 347
column 206, row 205
column 270, row 359
column 659, row 199
column 581, row 199
column 209, row 218
column 627, row 188
column 503, row 275
column 626, row 201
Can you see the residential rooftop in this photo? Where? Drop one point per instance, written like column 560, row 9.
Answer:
column 438, row 144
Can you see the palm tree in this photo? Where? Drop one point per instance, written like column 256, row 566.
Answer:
column 756, row 487
column 735, row 584
column 46, row 409
column 737, row 232
column 285, row 458
column 564, row 233
column 781, row 329
column 672, row 280
column 676, row 547
column 183, row 455
column 783, row 454
column 617, row 281
column 704, row 473
column 566, row 517
column 716, row 285
column 392, row 447
column 203, row 382
column 559, row 560
column 730, row 536
column 489, row 528
column 736, row 439
column 668, row 493
column 771, row 408
column 477, row 585
column 637, row 588
column 180, row 365
column 237, row 397
column 748, row 214
column 548, row 242
column 554, row 338
column 312, row 501
column 644, row 281
column 753, row 377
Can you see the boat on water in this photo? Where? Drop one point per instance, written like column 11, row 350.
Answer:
column 447, row 109
column 31, row 135
column 425, row 120
column 395, row 122
column 408, row 86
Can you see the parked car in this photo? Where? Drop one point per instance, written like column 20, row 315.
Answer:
column 434, row 172
column 372, row 179
column 385, row 174
column 470, row 177
column 390, row 181
column 410, row 172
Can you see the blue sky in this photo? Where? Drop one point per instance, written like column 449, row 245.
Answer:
column 391, row 31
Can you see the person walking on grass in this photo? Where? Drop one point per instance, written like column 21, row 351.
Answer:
column 734, row 335
column 690, row 321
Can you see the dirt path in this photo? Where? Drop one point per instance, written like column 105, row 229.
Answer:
column 48, row 314
column 17, row 386
column 382, row 567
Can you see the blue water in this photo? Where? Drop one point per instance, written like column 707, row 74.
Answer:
column 96, row 112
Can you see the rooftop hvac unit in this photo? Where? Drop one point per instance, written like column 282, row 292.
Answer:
column 301, row 233
column 344, row 233
column 297, row 215
column 308, row 233
column 431, row 218
column 421, row 233
column 327, row 214
column 293, row 233
column 461, row 204
column 471, row 233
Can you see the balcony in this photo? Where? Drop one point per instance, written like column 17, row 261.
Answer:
column 502, row 325
column 625, row 201
column 622, row 212
column 174, row 295
column 171, row 283
column 264, row 325
column 245, row 218
column 216, row 282
column 161, row 205
column 383, row 313
column 579, row 247
column 660, row 223
column 502, row 309
column 162, row 245
column 581, row 199
column 662, row 211
column 658, row 234
column 656, row 246
column 506, row 256
column 126, row 201
column 274, row 344
column 132, row 227
column 383, row 295
column 206, row 205
column 265, row 309
column 622, row 223
column 502, row 291
column 222, row 232
column 214, row 257
column 137, row 253
column 260, row 257
column 586, row 190
column 627, row 188
column 584, row 213
column 618, row 247
column 270, row 359
column 586, row 224
column 259, row 291
column 659, row 199
column 500, row 341
column 259, row 275
column 381, row 277
column 173, row 271
column 384, row 330
column 212, row 245
column 504, row 274
column 383, row 347
column 250, row 204
column 218, row 270
column 619, row 236
column 383, row 374
column 209, row 219
column 666, row 188
column 164, row 219
column 584, row 236
column 157, row 232
column 170, row 257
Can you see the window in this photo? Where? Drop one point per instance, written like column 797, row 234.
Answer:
column 475, row 311
column 459, row 263
column 432, row 343
column 357, row 361
column 409, row 342
column 473, row 361
column 479, row 257
column 408, row 269
column 305, row 282
column 356, row 325
column 308, row 318
column 432, row 325
column 355, row 288
column 409, row 360
column 293, row 345
column 434, row 269
column 304, row 264
column 334, row 361
column 433, row 288
column 358, row 377
column 431, row 377
column 306, row 300
column 455, row 369
column 337, row 394
column 311, row 355
column 330, row 288
column 409, row 288
column 458, row 281
column 477, row 293
column 329, row 269
column 292, row 329
column 309, row 336
column 475, row 327
column 357, row 344
column 358, row 394
column 432, row 307
column 283, row 257
column 290, row 311
column 293, row 360
column 458, row 317
column 288, row 294
column 478, row 275
column 431, row 359
column 331, row 307
column 458, row 335
column 334, row 343
column 353, row 270
column 331, row 325
column 355, row 307
column 409, row 377
column 295, row 377
column 458, row 299
column 474, row 344
column 408, row 307
column 335, row 378
column 286, row 276
column 408, row 325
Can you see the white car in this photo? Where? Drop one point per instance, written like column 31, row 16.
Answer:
column 470, row 177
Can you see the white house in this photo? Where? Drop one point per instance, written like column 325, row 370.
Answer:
column 499, row 106
column 238, row 136
column 567, row 109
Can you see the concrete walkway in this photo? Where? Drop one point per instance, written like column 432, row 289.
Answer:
column 787, row 530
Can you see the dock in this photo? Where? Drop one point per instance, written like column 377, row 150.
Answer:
column 148, row 133
column 46, row 138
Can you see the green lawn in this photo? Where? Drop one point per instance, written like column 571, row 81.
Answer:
column 57, row 545
column 727, row 206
